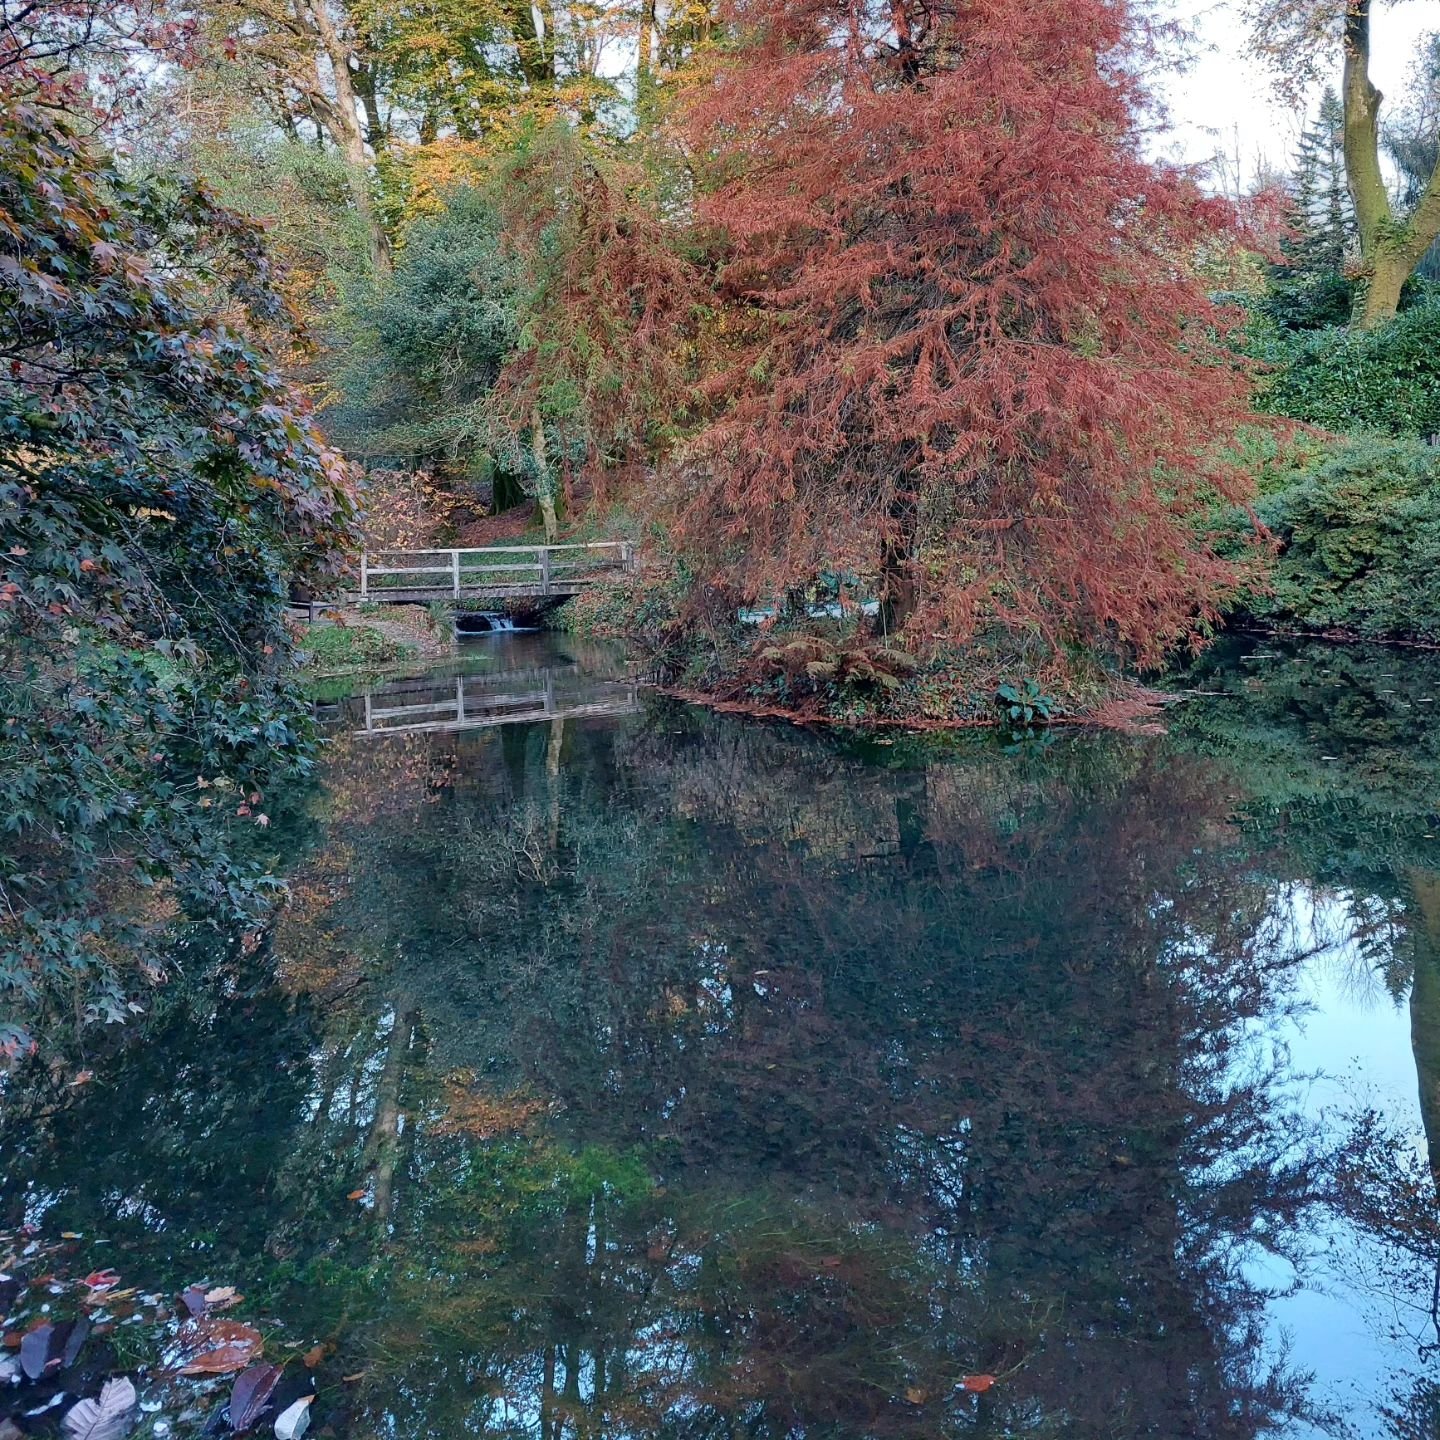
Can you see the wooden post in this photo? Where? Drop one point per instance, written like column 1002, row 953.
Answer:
column 455, row 570
column 544, row 569
column 364, row 573
column 459, row 699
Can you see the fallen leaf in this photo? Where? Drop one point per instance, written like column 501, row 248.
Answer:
column 222, row 1295
column 35, row 1350
column 222, row 1360
column 977, row 1384
column 357, row 1194
column 107, row 1418
column 218, row 1346
column 316, row 1356
column 101, row 1280
column 52, row 1347
column 294, row 1422
column 194, row 1299
column 916, row 1396
column 251, row 1395
column 108, row 1297
column 79, row 1333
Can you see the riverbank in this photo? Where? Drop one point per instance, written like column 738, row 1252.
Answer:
column 370, row 639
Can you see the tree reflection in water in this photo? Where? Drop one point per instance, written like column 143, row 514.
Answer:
column 709, row 1079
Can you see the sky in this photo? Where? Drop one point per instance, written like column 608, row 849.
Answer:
column 1225, row 103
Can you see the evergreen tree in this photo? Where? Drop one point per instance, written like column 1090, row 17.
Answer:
column 1309, row 288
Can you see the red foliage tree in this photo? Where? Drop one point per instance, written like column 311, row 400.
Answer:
column 966, row 352
column 607, row 306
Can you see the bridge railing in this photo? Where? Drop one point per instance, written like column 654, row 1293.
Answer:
column 518, row 569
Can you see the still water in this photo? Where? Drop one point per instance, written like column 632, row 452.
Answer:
column 619, row 1070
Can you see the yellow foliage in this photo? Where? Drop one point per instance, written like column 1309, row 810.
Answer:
column 479, row 1116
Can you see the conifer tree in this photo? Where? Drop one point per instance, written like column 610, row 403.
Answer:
column 1310, row 287
column 968, row 353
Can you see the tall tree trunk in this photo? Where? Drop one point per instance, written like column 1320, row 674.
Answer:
column 645, row 66
column 347, row 131
column 365, row 85
column 899, row 591
column 1391, row 248
column 544, row 482
column 534, row 46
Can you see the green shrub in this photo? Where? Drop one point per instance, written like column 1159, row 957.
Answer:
column 421, row 348
column 1385, row 380
column 1360, row 543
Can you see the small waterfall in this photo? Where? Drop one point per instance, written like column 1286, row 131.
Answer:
column 483, row 622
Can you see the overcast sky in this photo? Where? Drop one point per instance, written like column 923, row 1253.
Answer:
column 1224, row 93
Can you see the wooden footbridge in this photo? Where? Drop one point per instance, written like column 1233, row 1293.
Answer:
column 499, row 572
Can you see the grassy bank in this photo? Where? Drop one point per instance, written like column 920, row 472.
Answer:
column 372, row 639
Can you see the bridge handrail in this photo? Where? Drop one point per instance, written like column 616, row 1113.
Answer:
column 550, row 562
column 502, row 549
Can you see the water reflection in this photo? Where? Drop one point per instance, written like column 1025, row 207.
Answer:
column 515, row 680
column 708, row 1079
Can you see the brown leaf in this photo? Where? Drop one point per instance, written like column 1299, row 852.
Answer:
column 223, row 1360
column 315, row 1356
column 251, row 1395
column 916, row 1396
column 357, row 1194
column 977, row 1384
column 218, row 1346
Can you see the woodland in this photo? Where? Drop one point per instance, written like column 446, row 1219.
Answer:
column 933, row 400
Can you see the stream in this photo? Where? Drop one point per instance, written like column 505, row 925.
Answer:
column 618, row 1069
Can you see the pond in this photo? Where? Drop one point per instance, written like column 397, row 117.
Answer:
column 618, row 1069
